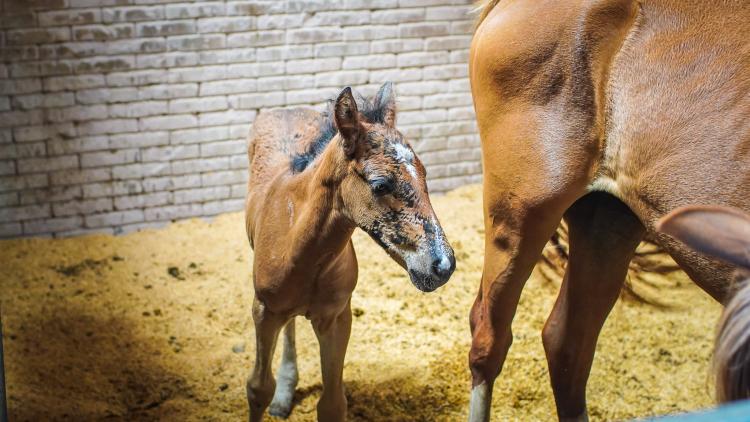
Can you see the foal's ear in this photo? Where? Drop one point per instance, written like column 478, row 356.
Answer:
column 385, row 101
column 721, row 232
column 346, row 117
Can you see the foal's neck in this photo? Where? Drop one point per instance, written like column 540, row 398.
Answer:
column 319, row 225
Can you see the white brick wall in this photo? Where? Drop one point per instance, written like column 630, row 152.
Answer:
column 122, row 114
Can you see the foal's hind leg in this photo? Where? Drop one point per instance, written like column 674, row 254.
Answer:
column 260, row 384
column 286, row 376
column 603, row 235
column 333, row 336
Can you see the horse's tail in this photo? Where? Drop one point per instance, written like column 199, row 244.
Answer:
column 731, row 360
column 483, row 8
column 640, row 284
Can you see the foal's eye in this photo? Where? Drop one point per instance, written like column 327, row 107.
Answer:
column 381, row 187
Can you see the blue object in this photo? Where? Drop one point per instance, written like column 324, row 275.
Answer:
column 733, row 412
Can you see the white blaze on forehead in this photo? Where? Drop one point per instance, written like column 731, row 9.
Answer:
column 404, row 155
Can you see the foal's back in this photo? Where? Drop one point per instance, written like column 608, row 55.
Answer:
column 277, row 136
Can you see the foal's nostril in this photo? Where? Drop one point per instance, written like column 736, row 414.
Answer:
column 443, row 266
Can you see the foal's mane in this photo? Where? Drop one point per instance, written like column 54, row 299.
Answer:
column 371, row 108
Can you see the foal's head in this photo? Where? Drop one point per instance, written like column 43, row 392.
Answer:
column 384, row 190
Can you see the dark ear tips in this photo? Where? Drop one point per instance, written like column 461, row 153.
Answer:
column 386, row 102
column 347, row 120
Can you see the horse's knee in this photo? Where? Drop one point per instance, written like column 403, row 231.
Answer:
column 488, row 351
column 259, row 393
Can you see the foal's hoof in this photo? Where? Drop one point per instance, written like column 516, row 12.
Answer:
column 280, row 410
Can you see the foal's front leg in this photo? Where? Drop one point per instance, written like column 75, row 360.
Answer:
column 260, row 384
column 287, row 375
column 333, row 336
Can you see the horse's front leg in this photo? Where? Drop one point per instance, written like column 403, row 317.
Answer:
column 333, row 336
column 514, row 241
column 260, row 383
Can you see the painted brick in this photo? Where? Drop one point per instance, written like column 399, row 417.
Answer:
column 138, row 171
column 51, row 225
column 109, row 158
column 169, row 153
column 117, row 115
column 108, row 127
column 37, row 36
column 191, row 136
column 165, row 92
column 23, row 182
column 168, row 122
column 132, row 14
column 226, row 117
column 195, row 105
column 138, row 109
column 284, row 83
column 69, row 17
column 232, row 86
column 194, row 10
column 76, row 145
column 142, row 201
column 313, row 65
column 370, row 32
column 341, row 78
column 28, row 212
column 161, row 29
column 222, row 178
column 89, row 206
column 186, row 196
column 173, row 212
column 9, row 230
column 103, row 32
column 376, row 61
column 226, row 24
column 77, row 176
column 224, row 206
column 138, row 139
column 46, row 164
column 113, row 219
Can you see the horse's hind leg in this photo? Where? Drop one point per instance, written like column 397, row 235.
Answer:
column 603, row 235
column 333, row 336
column 260, row 384
column 286, row 376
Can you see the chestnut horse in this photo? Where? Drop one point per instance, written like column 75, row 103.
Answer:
column 609, row 113
column 314, row 178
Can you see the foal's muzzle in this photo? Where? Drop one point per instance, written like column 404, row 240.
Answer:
column 440, row 272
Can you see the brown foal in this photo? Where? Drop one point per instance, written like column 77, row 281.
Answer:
column 608, row 113
column 314, row 178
